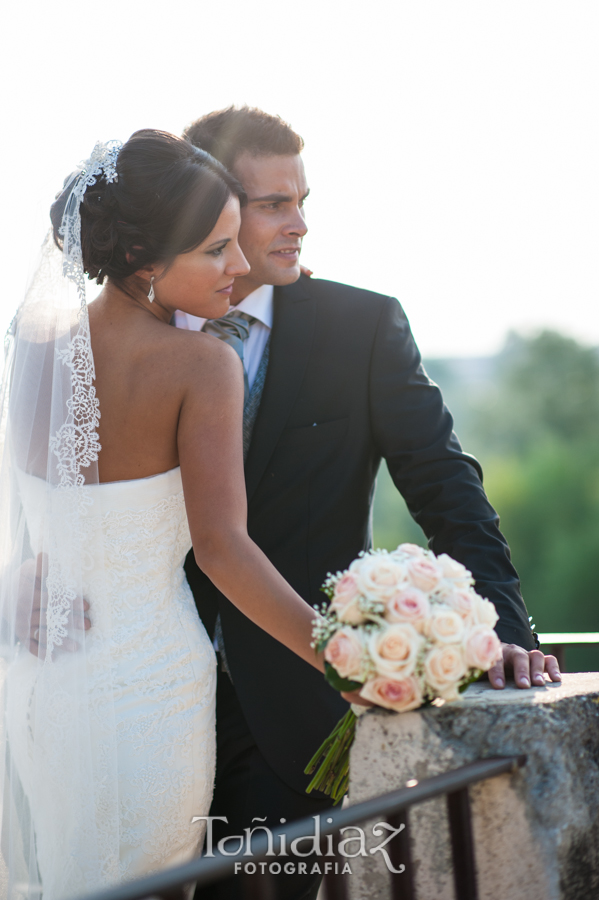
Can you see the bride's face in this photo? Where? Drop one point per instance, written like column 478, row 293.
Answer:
column 201, row 282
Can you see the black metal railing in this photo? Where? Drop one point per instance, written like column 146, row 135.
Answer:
column 392, row 808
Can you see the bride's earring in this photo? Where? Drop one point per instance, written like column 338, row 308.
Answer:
column 151, row 293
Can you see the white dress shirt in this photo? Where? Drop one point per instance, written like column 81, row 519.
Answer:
column 258, row 304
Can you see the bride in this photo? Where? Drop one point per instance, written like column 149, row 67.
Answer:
column 121, row 448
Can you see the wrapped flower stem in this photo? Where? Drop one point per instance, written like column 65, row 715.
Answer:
column 332, row 776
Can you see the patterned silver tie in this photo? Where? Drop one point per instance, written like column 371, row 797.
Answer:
column 252, row 404
column 234, row 330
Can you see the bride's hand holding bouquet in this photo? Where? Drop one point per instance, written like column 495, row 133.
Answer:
column 402, row 629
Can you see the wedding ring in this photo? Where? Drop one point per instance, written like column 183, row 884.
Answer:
column 36, row 634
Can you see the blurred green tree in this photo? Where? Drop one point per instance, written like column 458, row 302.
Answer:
column 531, row 415
column 545, row 389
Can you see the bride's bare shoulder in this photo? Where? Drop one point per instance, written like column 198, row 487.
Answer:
column 197, row 344
column 201, row 356
column 152, row 352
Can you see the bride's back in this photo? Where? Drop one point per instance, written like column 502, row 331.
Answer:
column 143, row 369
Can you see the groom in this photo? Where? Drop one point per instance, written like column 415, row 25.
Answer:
column 336, row 385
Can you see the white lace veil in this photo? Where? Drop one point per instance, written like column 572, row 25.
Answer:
column 57, row 735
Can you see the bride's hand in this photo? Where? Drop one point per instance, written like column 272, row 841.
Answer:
column 355, row 698
column 32, row 601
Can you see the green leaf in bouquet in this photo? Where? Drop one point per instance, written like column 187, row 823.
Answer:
column 468, row 681
column 339, row 683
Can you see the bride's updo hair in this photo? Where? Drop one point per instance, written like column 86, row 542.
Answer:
column 166, row 201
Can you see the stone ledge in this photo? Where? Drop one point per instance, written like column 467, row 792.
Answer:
column 573, row 685
column 536, row 831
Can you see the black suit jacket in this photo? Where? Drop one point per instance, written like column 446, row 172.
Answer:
column 345, row 387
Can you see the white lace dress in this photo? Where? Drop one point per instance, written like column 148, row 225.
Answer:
column 151, row 665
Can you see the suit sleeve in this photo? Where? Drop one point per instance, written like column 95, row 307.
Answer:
column 442, row 485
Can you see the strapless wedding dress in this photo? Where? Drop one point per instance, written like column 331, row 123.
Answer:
column 150, row 668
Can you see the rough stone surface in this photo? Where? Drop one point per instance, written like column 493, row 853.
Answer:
column 536, row 831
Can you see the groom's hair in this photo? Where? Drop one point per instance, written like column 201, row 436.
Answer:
column 227, row 133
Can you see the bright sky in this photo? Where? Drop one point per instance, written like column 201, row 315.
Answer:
column 452, row 146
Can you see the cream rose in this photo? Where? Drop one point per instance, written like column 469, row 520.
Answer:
column 346, row 600
column 400, row 695
column 408, row 550
column 394, row 649
column 454, row 571
column 485, row 612
column 409, row 605
column 446, row 626
column 424, row 574
column 344, row 652
column 482, row 647
column 379, row 576
column 450, row 693
column 444, row 666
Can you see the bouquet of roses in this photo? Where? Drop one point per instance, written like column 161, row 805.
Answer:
column 404, row 628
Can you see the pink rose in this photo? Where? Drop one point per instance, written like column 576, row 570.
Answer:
column 400, row 695
column 344, row 652
column 424, row 574
column 444, row 666
column 482, row 647
column 408, row 605
column 394, row 649
column 446, row 626
column 379, row 576
column 346, row 598
column 462, row 601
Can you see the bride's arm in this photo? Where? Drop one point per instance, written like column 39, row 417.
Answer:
column 211, row 457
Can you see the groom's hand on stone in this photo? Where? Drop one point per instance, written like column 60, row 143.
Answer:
column 528, row 667
column 32, row 601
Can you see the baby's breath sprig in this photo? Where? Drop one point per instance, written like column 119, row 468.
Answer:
column 324, row 627
column 330, row 582
column 368, row 668
column 373, row 609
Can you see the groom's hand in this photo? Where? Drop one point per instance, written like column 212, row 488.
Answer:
column 528, row 667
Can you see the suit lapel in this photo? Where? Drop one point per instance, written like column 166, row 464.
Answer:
column 294, row 319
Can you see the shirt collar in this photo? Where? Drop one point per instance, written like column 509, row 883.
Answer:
column 258, row 304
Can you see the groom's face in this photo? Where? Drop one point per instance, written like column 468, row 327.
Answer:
column 272, row 223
